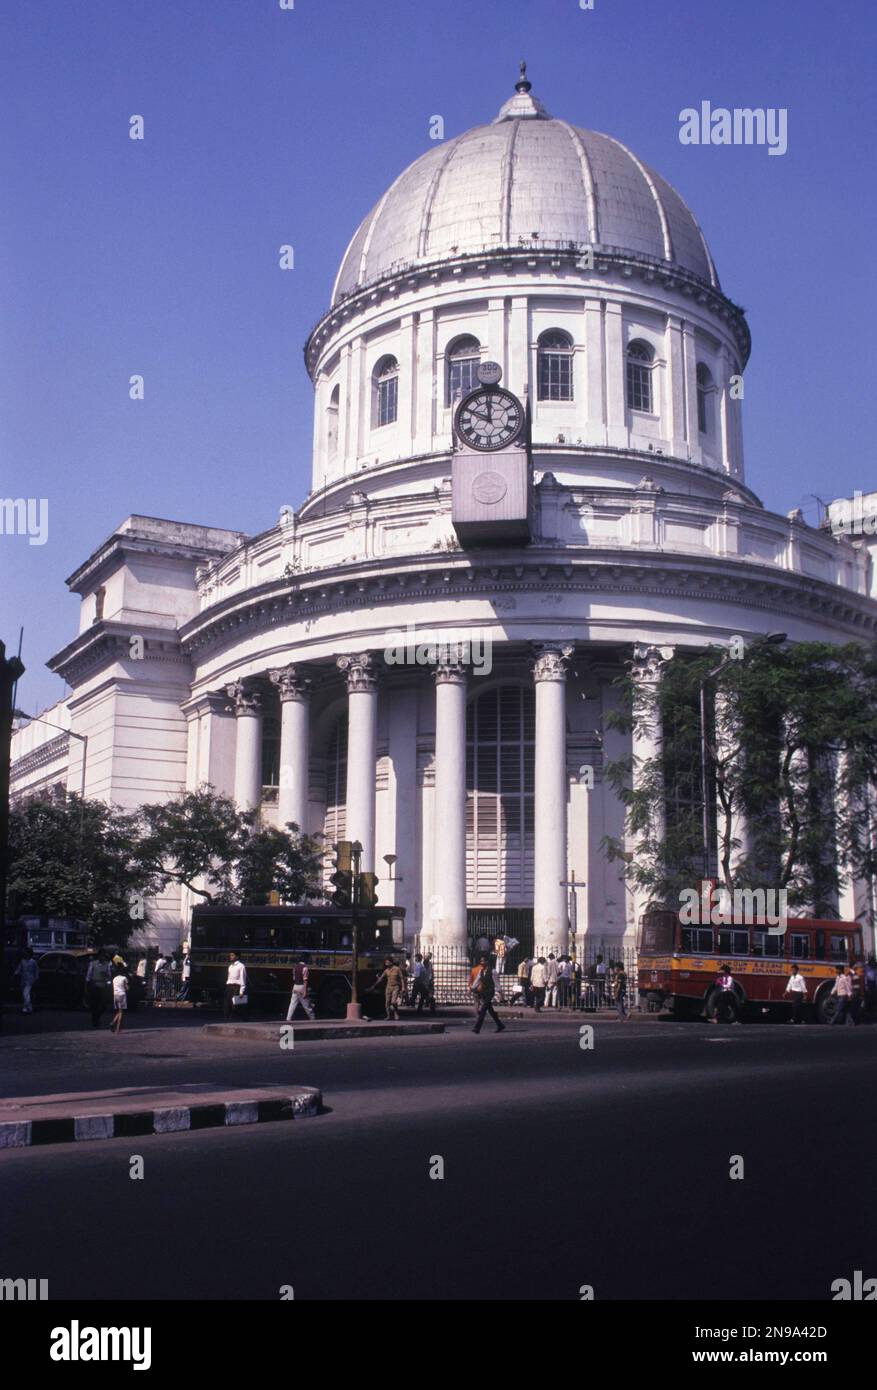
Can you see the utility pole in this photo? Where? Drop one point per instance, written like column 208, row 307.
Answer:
column 11, row 670
column 354, row 1008
column 573, row 884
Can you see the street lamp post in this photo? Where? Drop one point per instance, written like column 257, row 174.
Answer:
column 354, row 1008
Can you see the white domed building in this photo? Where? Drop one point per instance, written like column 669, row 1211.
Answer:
column 378, row 667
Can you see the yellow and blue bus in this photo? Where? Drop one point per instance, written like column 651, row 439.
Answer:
column 269, row 940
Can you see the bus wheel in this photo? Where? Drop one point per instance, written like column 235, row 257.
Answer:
column 826, row 1005
column 333, row 998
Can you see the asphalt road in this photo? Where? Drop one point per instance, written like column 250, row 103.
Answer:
column 562, row 1167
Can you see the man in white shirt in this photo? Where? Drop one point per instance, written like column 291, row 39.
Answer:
column 235, row 984
column 796, row 989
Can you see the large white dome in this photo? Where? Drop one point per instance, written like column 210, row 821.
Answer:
column 525, row 179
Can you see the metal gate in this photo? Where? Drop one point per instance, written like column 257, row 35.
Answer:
column 492, row 922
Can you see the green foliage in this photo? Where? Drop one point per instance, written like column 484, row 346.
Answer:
column 98, row 863
column 77, row 858
column 791, row 749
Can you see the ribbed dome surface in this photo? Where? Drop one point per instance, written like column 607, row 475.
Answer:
column 496, row 185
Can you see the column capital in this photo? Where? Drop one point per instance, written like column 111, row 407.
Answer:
column 648, row 662
column 361, row 671
column 291, row 683
column 450, row 669
column 245, row 698
column 550, row 660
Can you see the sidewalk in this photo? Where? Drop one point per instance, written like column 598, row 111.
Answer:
column 318, row 1031
column 140, row 1110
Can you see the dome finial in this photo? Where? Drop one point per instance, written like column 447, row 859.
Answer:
column 523, row 84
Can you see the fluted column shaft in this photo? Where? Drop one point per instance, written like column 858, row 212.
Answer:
column 247, row 703
column 550, row 922
column 362, row 722
column 450, row 804
column 292, row 798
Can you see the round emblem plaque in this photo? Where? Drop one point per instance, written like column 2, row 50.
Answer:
column 489, row 373
column 489, row 488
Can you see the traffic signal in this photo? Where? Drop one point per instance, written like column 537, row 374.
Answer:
column 368, row 890
column 342, row 878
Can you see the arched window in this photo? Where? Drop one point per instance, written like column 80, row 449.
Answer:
column 386, row 393
column 705, row 391
column 639, row 376
column 554, row 366
column 332, row 424
column 500, row 758
column 464, row 356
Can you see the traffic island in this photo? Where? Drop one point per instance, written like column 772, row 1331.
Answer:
column 132, row 1111
column 317, row 1032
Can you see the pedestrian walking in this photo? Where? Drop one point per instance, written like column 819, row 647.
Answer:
column 428, row 979
column 796, row 989
column 564, row 984
column 236, row 997
column 392, row 979
column 97, row 986
column 552, row 975
column 524, row 981
column 842, row 991
column 600, row 982
column 419, row 991
column 28, row 973
column 622, row 1007
column 185, row 976
column 483, row 989
column 120, row 998
column 299, row 996
column 726, row 1004
column 538, row 982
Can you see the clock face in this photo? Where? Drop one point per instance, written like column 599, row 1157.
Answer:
column 488, row 419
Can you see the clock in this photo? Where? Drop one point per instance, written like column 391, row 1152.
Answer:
column 488, row 418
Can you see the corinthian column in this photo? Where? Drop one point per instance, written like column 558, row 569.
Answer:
column 362, row 711
column 450, row 802
column 295, row 691
column 247, row 704
column 550, row 923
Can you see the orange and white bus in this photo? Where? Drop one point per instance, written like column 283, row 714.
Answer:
column 678, row 964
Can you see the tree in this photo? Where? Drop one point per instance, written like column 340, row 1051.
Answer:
column 791, row 746
column 223, row 855
column 191, row 837
column 276, row 861
column 79, row 859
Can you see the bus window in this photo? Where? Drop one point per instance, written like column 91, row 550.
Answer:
column 699, row 939
column 819, row 948
column 398, row 927
column 799, row 946
column 767, row 945
column 656, row 932
column 733, row 943
column 838, row 946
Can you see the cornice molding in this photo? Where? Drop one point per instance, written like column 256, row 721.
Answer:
column 372, row 583
column 47, row 752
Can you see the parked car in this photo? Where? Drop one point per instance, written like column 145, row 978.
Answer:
column 61, row 984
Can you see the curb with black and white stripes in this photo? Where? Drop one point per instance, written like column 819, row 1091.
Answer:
column 300, row 1104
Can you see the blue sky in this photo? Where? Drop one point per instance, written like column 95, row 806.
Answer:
column 267, row 126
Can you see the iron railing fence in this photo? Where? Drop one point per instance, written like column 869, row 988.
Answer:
column 589, row 989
